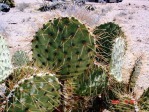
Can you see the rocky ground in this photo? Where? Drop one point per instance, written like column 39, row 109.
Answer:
column 19, row 25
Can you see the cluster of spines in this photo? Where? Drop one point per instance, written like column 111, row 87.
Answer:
column 144, row 101
column 105, row 37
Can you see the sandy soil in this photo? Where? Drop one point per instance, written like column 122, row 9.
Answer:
column 20, row 24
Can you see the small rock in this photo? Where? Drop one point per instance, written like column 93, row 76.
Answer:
column 4, row 7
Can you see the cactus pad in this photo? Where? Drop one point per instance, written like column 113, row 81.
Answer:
column 35, row 94
column 105, row 37
column 110, row 48
column 20, row 58
column 5, row 60
column 63, row 46
column 135, row 73
column 92, row 84
column 118, row 53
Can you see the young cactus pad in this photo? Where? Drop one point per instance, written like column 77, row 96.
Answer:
column 5, row 60
column 64, row 46
column 105, row 38
column 20, row 58
column 135, row 73
column 36, row 94
column 110, row 48
column 118, row 53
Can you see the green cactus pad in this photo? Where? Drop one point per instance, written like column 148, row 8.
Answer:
column 5, row 60
column 110, row 48
column 105, row 37
column 135, row 73
column 36, row 94
column 92, row 84
column 20, row 58
column 63, row 46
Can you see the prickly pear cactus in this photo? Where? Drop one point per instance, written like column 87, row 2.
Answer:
column 93, row 83
column 35, row 94
column 135, row 73
column 110, row 47
column 118, row 53
column 8, row 2
column 105, row 37
column 5, row 60
column 20, row 58
column 117, row 97
column 64, row 46
column 144, row 101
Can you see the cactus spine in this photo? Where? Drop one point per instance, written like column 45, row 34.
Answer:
column 5, row 60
